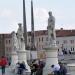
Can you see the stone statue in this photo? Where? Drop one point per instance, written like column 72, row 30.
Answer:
column 14, row 41
column 20, row 37
column 51, row 29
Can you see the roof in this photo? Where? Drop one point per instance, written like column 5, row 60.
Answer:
column 5, row 35
column 63, row 33
column 59, row 33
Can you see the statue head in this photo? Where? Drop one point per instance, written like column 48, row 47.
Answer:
column 50, row 13
column 20, row 24
column 13, row 33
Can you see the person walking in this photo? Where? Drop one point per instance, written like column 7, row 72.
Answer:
column 40, row 68
column 63, row 69
column 21, row 68
column 3, row 64
column 34, row 67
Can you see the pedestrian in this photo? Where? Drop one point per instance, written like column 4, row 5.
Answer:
column 40, row 68
column 21, row 68
column 63, row 69
column 34, row 67
column 3, row 64
column 17, row 67
column 55, row 69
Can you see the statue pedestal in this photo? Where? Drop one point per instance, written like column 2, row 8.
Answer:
column 21, row 58
column 51, row 58
column 14, row 60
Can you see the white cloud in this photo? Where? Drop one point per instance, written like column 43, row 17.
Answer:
column 40, row 14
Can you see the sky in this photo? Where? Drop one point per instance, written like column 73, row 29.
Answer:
column 11, row 13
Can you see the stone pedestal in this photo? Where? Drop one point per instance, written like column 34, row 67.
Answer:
column 14, row 60
column 22, row 57
column 51, row 58
column 71, row 69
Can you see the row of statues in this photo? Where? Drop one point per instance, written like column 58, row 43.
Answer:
column 18, row 42
column 18, row 39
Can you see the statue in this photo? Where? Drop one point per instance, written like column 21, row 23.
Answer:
column 51, row 49
column 14, row 41
column 51, row 29
column 20, row 37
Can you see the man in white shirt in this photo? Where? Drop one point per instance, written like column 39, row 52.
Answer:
column 55, row 69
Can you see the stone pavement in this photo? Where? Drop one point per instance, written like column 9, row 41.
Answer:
column 7, row 72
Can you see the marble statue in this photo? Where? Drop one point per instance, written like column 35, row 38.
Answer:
column 51, row 29
column 51, row 49
column 21, row 52
column 14, row 41
column 20, row 37
column 14, row 57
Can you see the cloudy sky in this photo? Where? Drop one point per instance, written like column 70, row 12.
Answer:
column 11, row 14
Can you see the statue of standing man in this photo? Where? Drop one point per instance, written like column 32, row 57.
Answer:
column 51, row 30
column 14, row 41
column 20, row 37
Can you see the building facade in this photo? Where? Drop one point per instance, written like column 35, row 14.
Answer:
column 5, row 45
column 65, row 40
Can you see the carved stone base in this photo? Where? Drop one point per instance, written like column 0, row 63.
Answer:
column 14, row 60
column 22, row 57
column 51, row 58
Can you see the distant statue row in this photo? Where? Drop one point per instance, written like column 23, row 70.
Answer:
column 18, row 39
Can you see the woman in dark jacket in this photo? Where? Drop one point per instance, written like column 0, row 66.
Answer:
column 21, row 68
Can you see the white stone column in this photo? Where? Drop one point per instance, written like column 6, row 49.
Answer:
column 51, row 58
column 22, row 57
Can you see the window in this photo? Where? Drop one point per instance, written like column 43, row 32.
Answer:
column 39, row 39
column 73, row 48
column 42, row 39
column 72, row 41
column 65, row 41
column 57, row 42
column 1, row 36
column 6, row 41
column 46, row 38
column 58, row 50
column 9, row 41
